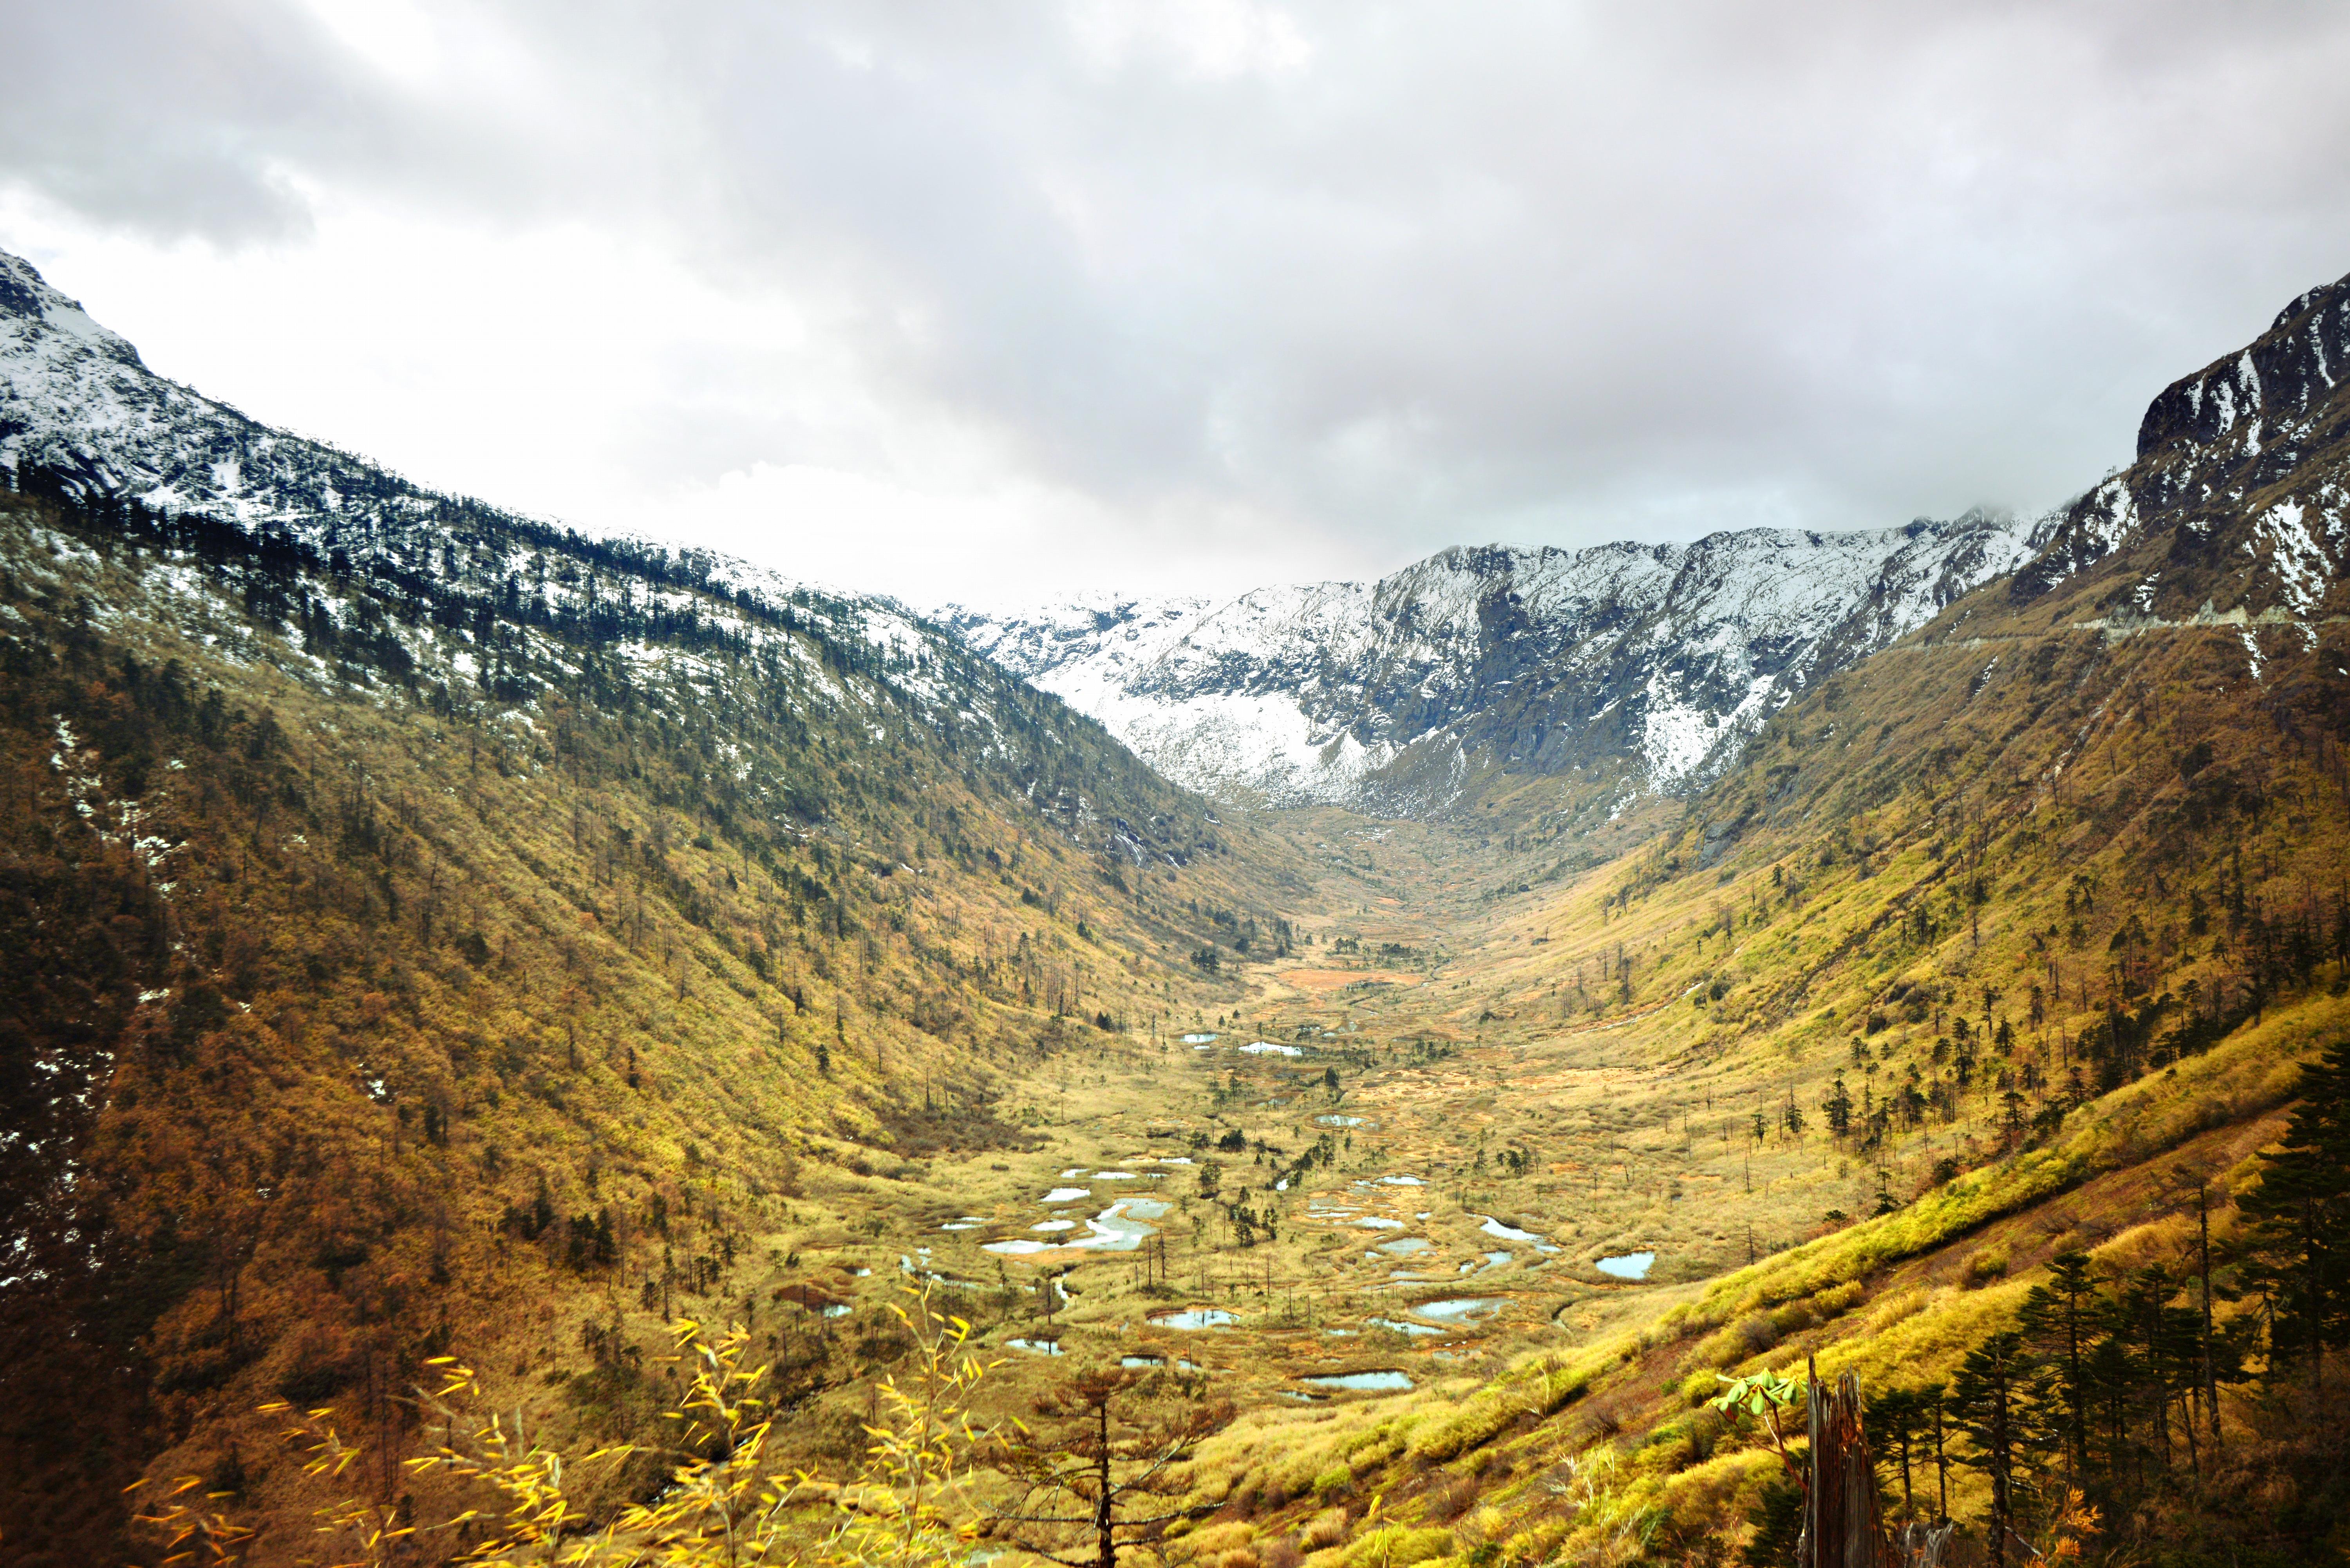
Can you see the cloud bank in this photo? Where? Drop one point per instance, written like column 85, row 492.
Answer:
column 985, row 302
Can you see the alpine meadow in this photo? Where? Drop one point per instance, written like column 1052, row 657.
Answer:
column 530, row 1045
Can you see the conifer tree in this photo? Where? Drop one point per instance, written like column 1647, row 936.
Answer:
column 1993, row 1399
column 2059, row 1317
column 2299, row 1234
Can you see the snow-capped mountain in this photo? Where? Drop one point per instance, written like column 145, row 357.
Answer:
column 1648, row 664
column 422, row 574
column 2248, row 462
column 81, row 414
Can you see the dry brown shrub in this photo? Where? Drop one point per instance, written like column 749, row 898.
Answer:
column 1450, row 1501
column 1325, row 1529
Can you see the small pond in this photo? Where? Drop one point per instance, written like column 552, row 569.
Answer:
column 1067, row 1194
column 1195, row 1317
column 1036, row 1346
column 1198, row 1039
column 1460, row 1309
column 1362, row 1382
column 1403, row 1244
column 1054, row 1225
column 1268, row 1048
column 968, row 1222
column 1400, row 1326
column 1492, row 1227
column 1630, row 1266
column 1376, row 1223
column 1340, row 1121
column 1117, row 1228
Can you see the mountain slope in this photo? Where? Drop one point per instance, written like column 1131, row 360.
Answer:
column 2005, row 946
column 423, row 917
column 1624, row 667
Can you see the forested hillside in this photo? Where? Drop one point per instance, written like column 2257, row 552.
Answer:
column 482, row 997
column 2002, row 991
column 393, row 955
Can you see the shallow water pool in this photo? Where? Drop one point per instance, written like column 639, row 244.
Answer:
column 1460, row 1309
column 1195, row 1317
column 1362, row 1382
column 1492, row 1227
column 1117, row 1228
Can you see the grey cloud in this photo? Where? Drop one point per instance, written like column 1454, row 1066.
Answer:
column 1564, row 273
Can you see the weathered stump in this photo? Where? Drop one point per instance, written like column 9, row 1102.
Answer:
column 1840, row 1518
column 1842, row 1527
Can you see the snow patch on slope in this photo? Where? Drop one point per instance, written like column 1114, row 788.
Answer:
column 1662, row 659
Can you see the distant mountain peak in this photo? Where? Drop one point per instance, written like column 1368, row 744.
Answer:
column 26, row 296
column 1639, row 666
column 2244, row 426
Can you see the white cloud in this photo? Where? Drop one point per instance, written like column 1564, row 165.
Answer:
column 1212, row 40
column 1212, row 292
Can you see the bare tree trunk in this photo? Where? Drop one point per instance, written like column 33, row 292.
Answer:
column 1841, row 1525
column 1105, row 1514
column 1919, row 1545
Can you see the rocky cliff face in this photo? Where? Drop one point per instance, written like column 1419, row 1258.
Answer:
column 2245, row 465
column 1637, row 667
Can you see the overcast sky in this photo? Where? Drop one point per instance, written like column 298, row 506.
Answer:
column 987, row 302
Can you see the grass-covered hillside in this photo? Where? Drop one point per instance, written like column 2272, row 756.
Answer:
column 435, row 935
column 1977, row 998
column 392, row 959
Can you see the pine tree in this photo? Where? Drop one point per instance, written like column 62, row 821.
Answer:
column 1993, row 1398
column 2059, row 1317
column 2299, row 1230
column 1897, row 1417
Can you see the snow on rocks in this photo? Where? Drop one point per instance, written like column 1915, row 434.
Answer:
column 1664, row 659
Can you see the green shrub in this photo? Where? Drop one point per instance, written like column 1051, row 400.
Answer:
column 1399, row 1546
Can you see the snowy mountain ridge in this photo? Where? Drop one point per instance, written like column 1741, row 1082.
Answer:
column 1647, row 664
column 468, row 603
column 80, row 409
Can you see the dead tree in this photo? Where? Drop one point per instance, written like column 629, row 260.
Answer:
column 1842, row 1525
column 1101, row 1475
